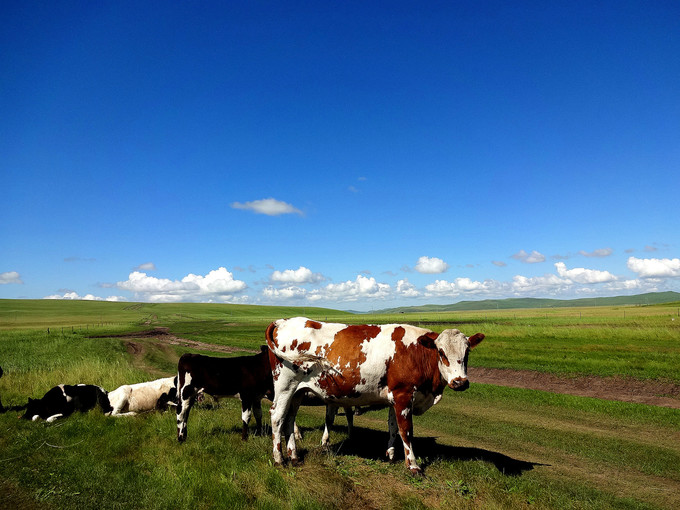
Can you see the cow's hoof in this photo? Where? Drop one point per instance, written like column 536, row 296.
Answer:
column 416, row 471
column 295, row 462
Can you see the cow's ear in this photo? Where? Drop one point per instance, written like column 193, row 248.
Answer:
column 475, row 339
column 427, row 340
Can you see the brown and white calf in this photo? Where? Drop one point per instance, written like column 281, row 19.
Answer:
column 131, row 399
column 402, row 366
column 246, row 377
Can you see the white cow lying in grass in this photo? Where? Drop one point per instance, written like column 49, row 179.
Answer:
column 131, row 399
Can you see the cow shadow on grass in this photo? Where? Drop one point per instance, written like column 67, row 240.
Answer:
column 372, row 444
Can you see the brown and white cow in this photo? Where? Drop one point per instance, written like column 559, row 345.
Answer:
column 398, row 365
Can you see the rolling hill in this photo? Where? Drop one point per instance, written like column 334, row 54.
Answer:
column 652, row 298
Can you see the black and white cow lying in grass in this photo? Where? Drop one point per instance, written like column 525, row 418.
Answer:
column 64, row 400
column 131, row 399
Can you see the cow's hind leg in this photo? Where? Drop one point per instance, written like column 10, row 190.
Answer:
column 289, row 428
column 278, row 412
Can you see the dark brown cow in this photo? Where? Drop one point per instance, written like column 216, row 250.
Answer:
column 246, row 377
column 401, row 366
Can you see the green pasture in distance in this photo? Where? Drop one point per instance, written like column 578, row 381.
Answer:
column 43, row 313
column 642, row 342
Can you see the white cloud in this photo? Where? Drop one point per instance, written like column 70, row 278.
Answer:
column 547, row 284
column 460, row 286
column 602, row 252
column 86, row 297
column 498, row 263
column 654, row 268
column 218, row 284
column 147, row 266
column 361, row 288
column 431, row 265
column 582, row 275
column 298, row 276
column 10, row 277
column 351, row 290
column 285, row 293
column 529, row 258
column 406, row 289
column 268, row 206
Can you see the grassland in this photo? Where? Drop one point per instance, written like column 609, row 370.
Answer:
column 488, row 447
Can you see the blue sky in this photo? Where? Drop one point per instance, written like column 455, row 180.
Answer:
column 356, row 155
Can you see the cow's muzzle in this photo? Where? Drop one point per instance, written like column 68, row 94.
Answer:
column 459, row 384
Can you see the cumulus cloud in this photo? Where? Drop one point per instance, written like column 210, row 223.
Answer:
column 147, row 266
column 297, row 276
column 582, row 275
column 268, row 206
column 10, row 277
column 218, row 284
column 431, row 265
column 406, row 289
column 602, row 252
column 529, row 258
column 362, row 288
column 654, row 268
column 460, row 286
column 286, row 293
column 86, row 297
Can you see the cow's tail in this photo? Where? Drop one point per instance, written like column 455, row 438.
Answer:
column 293, row 356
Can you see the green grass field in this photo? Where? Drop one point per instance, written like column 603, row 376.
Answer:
column 488, row 447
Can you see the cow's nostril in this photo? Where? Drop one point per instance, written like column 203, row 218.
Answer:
column 459, row 384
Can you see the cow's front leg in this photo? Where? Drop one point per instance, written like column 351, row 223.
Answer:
column 246, row 413
column 403, row 410
column 257, row 412
column 185, row 399
column 393, row 433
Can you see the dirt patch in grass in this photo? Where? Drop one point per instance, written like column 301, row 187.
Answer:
column 163, row 336
column 656, row 393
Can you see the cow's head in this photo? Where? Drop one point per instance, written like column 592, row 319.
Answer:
column 453, row 347
column 33, row 410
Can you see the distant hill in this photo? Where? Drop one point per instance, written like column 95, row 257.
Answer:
column 652, row 298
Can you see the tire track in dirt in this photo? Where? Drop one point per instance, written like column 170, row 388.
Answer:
column 652, row 392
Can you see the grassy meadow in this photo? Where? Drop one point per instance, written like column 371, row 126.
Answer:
column 488, row 447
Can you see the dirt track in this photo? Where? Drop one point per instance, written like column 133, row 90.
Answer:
column 655, row 393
